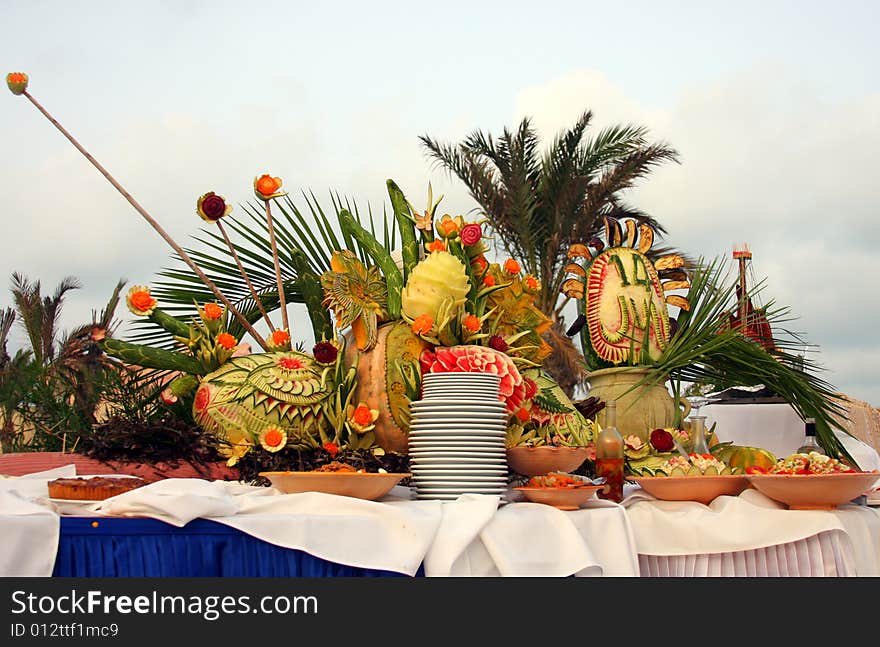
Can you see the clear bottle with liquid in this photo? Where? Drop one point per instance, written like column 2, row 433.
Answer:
column 609, row 456
column 810, row 443
column 698, row 433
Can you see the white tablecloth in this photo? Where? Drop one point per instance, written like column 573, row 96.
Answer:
column 752, row 535
column 475, row 536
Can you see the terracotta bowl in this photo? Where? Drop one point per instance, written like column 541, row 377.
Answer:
column 361, row 485
column 537, row 461
column 814, row 491
column 564, row 498
column 702, row 489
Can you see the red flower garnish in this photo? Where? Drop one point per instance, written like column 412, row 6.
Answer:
column 226, row 340
column 325, row 352
column 661, row 440
column 489, row 281
column 471, row 234
column 331, row 448
column 523, row 414
column 511, row 266
column 496, row 342
column 531, row 387
column 211, row 207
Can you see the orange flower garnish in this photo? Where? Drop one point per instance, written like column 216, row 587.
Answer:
column 331, row 448
column 17, row 82
column 489, row 281
column 213, row 311
column 227, row 341
column 280, row 338
column 361, row 418
column 472, row 323
column 480, row 263
column 273, row 438
column 448, row 226
column 422, row 325
column 511, row 266
column 267, row 187
column 362, row 415
column 523, row 414
column 436, row 246
column 139, row 301
column 531, row 282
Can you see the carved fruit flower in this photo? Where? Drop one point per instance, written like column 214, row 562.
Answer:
column 267, row 187
column 471, row 234
column 211, row 207
column 273, row 438
column 361, row 418
column 661, row 440
column 279, row 340
column 479, row 359
column 139, row 301
column 17, row 82
column 357, row 295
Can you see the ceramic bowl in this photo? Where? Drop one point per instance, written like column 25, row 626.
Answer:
column 814, row 491
column 537, row 461
column 361, row 485
column 702, row 489
column 564, row 498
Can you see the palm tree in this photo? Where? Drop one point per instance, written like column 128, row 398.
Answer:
column 539, row 202
column 56, row 385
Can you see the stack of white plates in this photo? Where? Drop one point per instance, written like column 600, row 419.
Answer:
column 456, row 437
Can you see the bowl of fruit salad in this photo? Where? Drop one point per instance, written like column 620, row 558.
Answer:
column 559, row 489
column 812, row 481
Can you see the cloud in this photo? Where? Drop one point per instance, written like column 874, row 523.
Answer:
column 766, row 160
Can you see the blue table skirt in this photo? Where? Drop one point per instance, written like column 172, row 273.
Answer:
column 116, row 547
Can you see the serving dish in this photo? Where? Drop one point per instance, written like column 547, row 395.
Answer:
column 814, row 491
column 702, row 489
column 361, row 485
column 564, row 498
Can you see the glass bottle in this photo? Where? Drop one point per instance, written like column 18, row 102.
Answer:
column 810, row 443
column 698, row 433
column 609, row 456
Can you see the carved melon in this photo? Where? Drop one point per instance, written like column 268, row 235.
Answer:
column 383, row 386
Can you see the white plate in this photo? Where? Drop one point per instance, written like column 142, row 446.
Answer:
column 463, row 472
column 454, row 431
column 450, row 482
column 461, row 375
column 446, row 463
column 456, row 403
column 456, row 444
column 446, row 425
column 498, row 491
column 458, row 420
column 459, row 452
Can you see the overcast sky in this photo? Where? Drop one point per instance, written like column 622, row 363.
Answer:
column 773, row 106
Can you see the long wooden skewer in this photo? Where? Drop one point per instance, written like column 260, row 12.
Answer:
column 245, row 276
column 177, row 248
column 281, row 298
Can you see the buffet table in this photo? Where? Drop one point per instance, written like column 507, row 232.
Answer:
column 191, row 527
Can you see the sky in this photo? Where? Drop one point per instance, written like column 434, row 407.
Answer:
column 773, row 106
